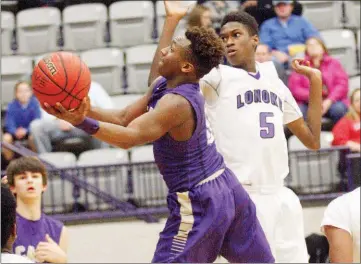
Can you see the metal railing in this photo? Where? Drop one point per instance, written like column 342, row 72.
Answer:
column 138, row 190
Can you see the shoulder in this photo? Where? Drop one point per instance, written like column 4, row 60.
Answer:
column 268, row 67
column 53, row 222
column 269, row 22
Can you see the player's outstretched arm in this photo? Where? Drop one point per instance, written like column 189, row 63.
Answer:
column 175, row 11
column 122, row 117
column 341, row 244
column 170, row 112
column 309, row 133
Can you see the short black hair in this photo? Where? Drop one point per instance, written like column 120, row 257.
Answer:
column 8, row 214
column 207, row 49
column 243, row 18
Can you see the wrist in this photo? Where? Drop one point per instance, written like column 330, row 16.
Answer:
column 89, row 125
column 173, row 18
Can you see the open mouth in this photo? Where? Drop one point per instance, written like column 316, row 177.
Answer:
column 231, row 52
column 31, row 189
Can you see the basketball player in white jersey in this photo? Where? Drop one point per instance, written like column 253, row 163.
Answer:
column 247, row 107
column 341, row 225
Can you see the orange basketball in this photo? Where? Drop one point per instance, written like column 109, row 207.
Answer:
column 61, row 77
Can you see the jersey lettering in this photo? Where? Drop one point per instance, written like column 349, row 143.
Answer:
column 259, row 96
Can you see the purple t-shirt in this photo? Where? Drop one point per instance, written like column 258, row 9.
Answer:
column 184, row 164
column 30, row 233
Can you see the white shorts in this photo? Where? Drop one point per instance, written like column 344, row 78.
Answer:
column 281, row 217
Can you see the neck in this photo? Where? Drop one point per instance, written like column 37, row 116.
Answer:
column 179, row 80
column 284, row 19
column 30, row 210
column 249, row 66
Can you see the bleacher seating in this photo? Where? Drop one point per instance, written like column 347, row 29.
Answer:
column 352, row 10
column 313, row 172
column 121, row 101
column 354, row 83
column 84, row 26
column 148, row 185
column 315, row 12
column 139, row 60
column 106, row 67
column 59, row 192
column 130, row 23
column 7, row 28
column 341, row 44
column 38, row 30
column 13, row 69
column 112, row 180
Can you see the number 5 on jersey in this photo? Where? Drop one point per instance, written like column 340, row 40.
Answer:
column 267, row 128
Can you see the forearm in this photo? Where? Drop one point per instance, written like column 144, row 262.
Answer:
column 314, row 113
column 108, row 115
column 165, row 40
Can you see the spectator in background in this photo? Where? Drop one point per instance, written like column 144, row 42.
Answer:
column 263, row 54
column 334, row 77
column 286, row 34
column 21, row 112
column 262, row 10
column 39, row 237
column 200, row 16
column 49, row 129
column 347, row 131
column 219, row 9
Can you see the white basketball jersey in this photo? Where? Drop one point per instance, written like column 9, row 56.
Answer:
column 247, row 113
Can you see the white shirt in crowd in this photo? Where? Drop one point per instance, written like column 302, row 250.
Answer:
column 344, row 213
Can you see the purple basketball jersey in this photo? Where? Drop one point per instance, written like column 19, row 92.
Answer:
column 30, row 233
column 184, row 164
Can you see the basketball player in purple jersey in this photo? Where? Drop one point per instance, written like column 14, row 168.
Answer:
column 39, row 237
column 210, row 213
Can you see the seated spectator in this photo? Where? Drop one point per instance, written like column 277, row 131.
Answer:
column 262, row 10
column 334, row 78
column 286, row 34
column 20, row 113
column 219, row 9
column 200, row 16
column 263, row 54
column 49, row 129
column 347, row 131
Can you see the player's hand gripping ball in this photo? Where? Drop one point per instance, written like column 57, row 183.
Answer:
column 61, row 77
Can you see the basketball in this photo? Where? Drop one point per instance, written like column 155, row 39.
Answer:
column 61, row 77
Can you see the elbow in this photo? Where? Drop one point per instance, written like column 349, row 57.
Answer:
column 315, row 145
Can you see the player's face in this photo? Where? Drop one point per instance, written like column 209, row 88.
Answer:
column 283, row 10
column 28, row 185
column 356, row 101
column 23, row 93
column 239, row 44
column 173, row 62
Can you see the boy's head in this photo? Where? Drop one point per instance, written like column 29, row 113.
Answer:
column 192, row 56
column 27, row 177
column 239, row 33
column 8, row 218
column 23, row 92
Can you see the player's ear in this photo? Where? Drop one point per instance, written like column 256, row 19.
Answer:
column 255, row 41
column 187, row 67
